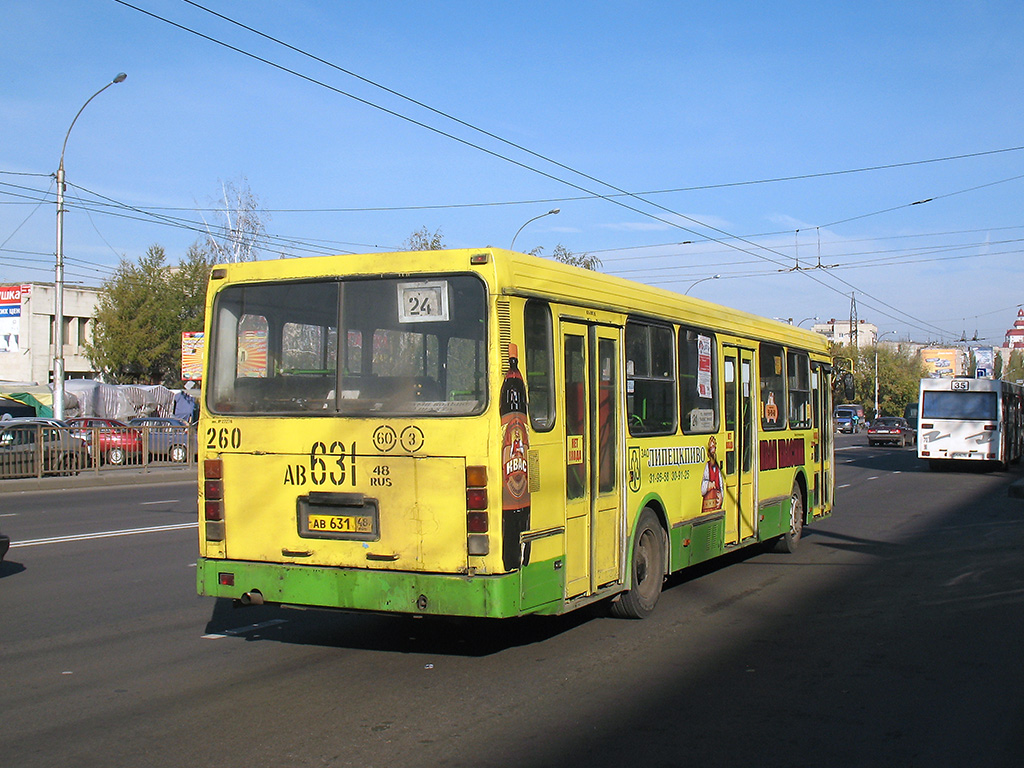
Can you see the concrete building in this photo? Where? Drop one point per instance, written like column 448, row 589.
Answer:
column 26, row 331
column 838, row 332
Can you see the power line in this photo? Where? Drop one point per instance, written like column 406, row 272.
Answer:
column 478, row 147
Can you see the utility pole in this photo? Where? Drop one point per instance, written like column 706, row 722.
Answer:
column 854, row 335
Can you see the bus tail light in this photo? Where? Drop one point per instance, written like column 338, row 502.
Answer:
column 477, row 541
column 213, row 496
column 990, row 427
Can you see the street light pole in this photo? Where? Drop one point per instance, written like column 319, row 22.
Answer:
column 58, row 272
column 552, row 212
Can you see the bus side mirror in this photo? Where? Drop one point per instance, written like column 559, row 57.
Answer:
column 848, row 387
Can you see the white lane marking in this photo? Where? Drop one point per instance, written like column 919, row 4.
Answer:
column 102, row 535
column 165, row 501
column 845, row 486
column 9, row 514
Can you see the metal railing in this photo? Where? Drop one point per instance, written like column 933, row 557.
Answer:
column 31, row 449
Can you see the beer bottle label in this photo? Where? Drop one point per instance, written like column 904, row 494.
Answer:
column 514, row 469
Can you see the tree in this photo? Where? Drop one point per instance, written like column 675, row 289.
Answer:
column 1014, row 370
column 423, row 240
column 187, row 288
column 564, row 255
column 239, row 228
column 142, row 311
column 900, row 371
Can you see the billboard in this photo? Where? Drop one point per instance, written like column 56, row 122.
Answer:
column 941, row 363
column 10, row 316
column 984, row 362
column 192, row 355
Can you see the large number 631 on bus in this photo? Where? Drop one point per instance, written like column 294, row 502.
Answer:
column 484, row 433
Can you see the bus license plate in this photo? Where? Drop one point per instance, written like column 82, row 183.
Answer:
column 341, row 523
column 325, row 515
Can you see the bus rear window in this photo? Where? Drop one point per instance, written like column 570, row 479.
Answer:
column 380, row 347
column 982, row 406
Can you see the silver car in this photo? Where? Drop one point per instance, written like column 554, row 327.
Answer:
column 33, row 448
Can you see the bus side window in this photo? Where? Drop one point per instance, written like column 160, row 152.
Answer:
column 540, row 374
column 650, row 379
column 698, row 382
column 773, row 387
column 798, row 366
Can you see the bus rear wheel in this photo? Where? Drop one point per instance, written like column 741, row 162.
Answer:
column 647, row 570
column 788, row 541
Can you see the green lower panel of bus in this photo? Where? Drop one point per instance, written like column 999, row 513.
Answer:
column 538, row 588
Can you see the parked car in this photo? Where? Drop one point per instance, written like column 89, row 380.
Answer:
column 24, row 444
column 113, row 441
column 168, row 438
column 893, row 430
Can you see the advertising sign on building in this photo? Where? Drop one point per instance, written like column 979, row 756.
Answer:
column 10, row 316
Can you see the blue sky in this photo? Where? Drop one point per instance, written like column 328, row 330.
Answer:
column 744, row 130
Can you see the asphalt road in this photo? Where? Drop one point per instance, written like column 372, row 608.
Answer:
column 893, row 637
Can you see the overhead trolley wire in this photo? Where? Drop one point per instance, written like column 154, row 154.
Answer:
column 366, row 102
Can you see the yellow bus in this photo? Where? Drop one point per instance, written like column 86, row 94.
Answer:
column 485, row 433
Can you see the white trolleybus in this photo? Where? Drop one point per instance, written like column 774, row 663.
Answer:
column 969, row 420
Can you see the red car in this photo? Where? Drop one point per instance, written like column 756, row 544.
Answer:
column 109, row 440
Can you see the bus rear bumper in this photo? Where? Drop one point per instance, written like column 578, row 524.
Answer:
column 367, row 590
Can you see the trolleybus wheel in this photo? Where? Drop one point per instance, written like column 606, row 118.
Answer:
column 647, row 569
column 788, row 541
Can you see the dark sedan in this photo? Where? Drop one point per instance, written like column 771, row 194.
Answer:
column 891, row 430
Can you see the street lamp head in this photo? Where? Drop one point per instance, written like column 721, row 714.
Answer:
column 121, row 77
column 552, row 212
column 702, row 280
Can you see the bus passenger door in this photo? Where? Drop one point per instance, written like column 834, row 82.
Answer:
column 593, row 504
column 740, row 423
column 821, row 451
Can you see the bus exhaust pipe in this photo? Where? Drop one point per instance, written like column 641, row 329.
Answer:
column 253, row 597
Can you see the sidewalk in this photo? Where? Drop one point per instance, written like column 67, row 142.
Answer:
column 105, row 478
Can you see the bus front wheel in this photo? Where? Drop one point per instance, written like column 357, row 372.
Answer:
column 647, row 569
